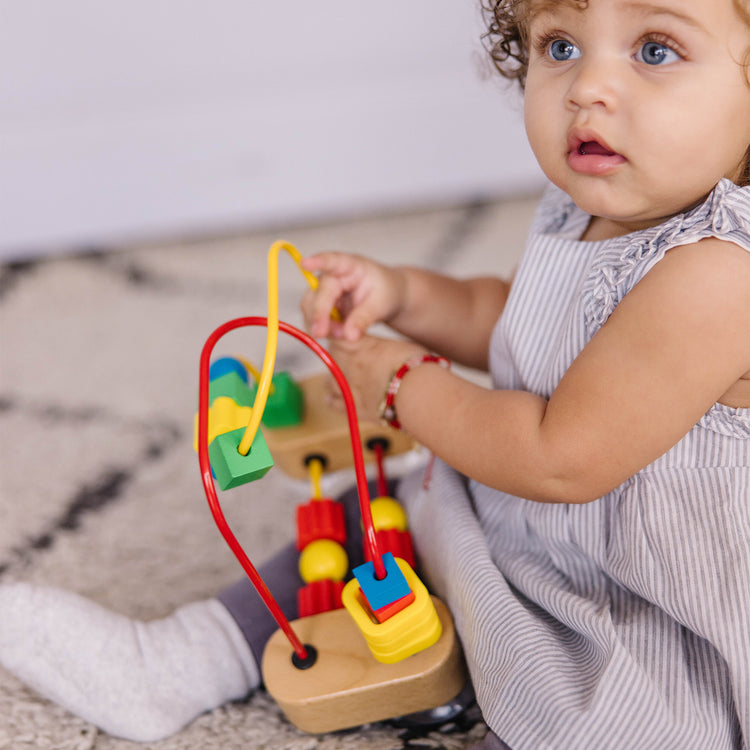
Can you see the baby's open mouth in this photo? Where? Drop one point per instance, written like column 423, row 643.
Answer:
column 594, row 148
column 592, row 157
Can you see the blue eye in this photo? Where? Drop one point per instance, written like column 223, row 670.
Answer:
column 654, row 53
column 562, row 50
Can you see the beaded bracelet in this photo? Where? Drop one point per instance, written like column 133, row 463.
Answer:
column 387, row 410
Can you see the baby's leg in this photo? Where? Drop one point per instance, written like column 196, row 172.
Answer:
column 281, row 575
column 141, row 681
column 146, row 680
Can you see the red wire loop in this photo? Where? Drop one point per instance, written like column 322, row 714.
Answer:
column 208, row 481
column 379, row 451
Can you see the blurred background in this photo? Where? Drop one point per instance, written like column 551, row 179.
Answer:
column 125, row 122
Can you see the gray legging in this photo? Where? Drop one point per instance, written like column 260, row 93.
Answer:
column 281, row 575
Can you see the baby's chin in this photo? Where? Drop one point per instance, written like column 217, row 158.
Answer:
column 624, row 214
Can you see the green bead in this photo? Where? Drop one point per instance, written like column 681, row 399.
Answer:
column 233, row 386
column 285, row 405
column 232, row 468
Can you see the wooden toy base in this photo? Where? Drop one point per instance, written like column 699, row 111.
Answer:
column 325, row 432
column 347, row 686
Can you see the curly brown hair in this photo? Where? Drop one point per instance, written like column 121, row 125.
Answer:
column 506, row 38
column 507, row 42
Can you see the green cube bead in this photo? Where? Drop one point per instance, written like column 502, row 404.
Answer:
column 232, row 468
column 233, row 386
column 285, row 405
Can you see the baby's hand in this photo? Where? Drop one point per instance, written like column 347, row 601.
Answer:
column 369, row 365
column 364, row 292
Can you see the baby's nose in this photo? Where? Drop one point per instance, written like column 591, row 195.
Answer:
column 595, row 84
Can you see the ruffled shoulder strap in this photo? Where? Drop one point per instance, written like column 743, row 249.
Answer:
column 724, row 214
column 624, row 261
column 556, row 214
column 621, row 263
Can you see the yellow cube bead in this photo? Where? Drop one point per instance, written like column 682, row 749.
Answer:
column 408, row 632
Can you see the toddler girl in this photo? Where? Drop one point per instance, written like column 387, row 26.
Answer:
column 588, row 519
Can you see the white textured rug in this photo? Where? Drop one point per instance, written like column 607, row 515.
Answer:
column 99, row 484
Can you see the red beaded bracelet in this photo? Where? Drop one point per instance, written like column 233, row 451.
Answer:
column 387, row 410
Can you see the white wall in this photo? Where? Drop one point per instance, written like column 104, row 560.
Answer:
column 126, row 120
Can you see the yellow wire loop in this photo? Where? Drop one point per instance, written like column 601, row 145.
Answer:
column 272, row 338
column 253, row 371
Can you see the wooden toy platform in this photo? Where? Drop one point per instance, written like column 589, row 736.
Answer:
column 347, row 686
column 325, row 432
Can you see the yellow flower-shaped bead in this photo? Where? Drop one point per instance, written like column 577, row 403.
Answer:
column 225, row 415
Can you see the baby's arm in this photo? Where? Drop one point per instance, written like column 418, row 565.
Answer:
column 434, row 310
column 672, row 348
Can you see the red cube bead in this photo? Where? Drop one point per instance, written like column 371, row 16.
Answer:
column 384, row 613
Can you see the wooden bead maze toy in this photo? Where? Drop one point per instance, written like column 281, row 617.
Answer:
column 378, row 646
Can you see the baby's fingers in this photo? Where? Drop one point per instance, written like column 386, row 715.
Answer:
column 326, row 307
column 317, row 307
column 330, row 263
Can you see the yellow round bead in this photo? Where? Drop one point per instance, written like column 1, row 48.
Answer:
column 387, row 513
column 322, row 559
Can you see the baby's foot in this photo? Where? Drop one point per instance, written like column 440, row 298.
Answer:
column 141, row 681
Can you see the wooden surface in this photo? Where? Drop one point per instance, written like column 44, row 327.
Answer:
column 347, row 687
column 325, row 431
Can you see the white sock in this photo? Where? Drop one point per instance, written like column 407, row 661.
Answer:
column 140, row 681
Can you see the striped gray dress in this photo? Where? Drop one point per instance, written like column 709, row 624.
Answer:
column 625, row 622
